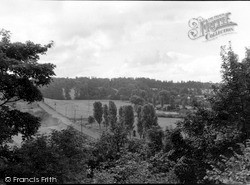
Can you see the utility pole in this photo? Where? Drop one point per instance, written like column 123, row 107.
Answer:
column 75, row 115
column 81, row 124
column 88, row 107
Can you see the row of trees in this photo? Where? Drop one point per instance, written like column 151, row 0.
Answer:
column 144, row 114
column 118, row 88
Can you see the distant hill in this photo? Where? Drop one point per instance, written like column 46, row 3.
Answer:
column 118, row 88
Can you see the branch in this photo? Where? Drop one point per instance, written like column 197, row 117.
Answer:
column 7, row 101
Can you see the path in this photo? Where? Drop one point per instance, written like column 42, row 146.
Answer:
column 66, row 121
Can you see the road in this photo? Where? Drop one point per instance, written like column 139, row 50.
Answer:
column 92, row 135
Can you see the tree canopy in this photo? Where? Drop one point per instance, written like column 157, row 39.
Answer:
column 20, row 78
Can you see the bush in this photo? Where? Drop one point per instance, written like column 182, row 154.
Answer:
column 63, row 155
column 234, row 170
column 91, row 119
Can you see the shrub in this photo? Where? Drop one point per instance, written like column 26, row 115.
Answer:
column 91, row 119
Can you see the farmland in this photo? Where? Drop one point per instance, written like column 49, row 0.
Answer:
column 78, row 108
column 75, row 109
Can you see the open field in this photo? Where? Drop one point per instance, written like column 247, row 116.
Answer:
column 78, row 108
column 168, row 122
column 48, row 122
column 163, row 122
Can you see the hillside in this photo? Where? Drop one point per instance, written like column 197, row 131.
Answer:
column 117, row 88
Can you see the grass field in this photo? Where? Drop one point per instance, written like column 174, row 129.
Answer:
column 78, row 108
column 83, row 108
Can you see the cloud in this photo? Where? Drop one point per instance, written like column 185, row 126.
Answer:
column 150, row 58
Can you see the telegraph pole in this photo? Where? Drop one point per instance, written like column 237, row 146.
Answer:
column 81, row 124
column 75, row 115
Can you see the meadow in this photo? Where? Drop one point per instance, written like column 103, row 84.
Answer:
column 77, row 109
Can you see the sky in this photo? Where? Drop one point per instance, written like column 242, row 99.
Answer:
column 110, row 39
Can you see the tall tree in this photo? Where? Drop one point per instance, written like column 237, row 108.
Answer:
column 148, row 118
column 164, row 97
column 121, row 115
column 20, row 78
column 155, row 135
column 232, row 99
column 154, row 101
column 105, row 115
column 112, row 114
column 139, row 121
column 128, row 118
column 98, row 112
column 213, row 133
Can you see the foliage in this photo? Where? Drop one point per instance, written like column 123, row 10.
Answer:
column 118, row 88
column 98, row 112
column 127, row 117
column 139, row 121
column 155, row 136
column 14, row 122
column 148, row 118
column 232, row 100
column 20, row 78
column 121, row 116
column 131, row 169
column 62, row 155
column 137, row 100
column 164, row 97
column 105, row 115
column 160, row 163
column 110, row 144
column 91, row 119
column 208, row 134
column 233, row 170
column 20, row 73
column 112, row 114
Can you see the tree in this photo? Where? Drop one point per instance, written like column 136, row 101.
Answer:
column 91, row 119
column 109, row 146
column 20, row 78
column 164, row 97
column 233, row 170
column 148, row 118
column 161, row 101
column 139, row 121
column 112, row 114
column 210, row 134
column 130, row 169
column 63, row 155
column 105, row 116
column 121, row 115
column 137, row 100
column 128, row 118
column 154, row 101
column 155, row 135
column 232, row 97
column 98, row 112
